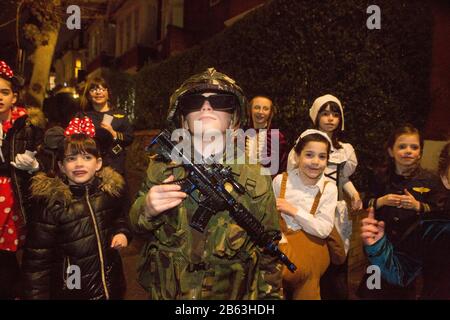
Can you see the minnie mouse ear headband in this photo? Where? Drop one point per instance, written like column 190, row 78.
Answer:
column 84, row 125
column 314, row 131
column 5, row 70
column 319, row 102
column 80, row 125
column 7, row 73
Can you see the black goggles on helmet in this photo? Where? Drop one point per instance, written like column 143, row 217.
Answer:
column 220, row 102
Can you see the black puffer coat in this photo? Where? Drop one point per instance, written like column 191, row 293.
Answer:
column 74, row 225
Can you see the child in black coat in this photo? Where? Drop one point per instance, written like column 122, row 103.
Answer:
column 74, row 236
column 400, row 194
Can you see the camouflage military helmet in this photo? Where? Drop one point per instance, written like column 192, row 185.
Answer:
column 207, row 80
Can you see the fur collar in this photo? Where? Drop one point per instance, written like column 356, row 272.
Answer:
column 55, row 189
column 36, row 117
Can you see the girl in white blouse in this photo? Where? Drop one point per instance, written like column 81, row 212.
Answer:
column 301, row 188
column 327, row 115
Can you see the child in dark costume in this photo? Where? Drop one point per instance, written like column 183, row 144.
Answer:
column 80, row 222
column 400, row 194
column 423, row 250
column 21, row 131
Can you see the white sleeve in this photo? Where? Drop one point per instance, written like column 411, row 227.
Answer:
column 349, row 188
column 292, row 160
column 351, row 162
column 320, row 224
column 276, row 185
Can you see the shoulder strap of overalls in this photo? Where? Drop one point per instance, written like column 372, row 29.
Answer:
column 313, row 210
column 282, row 194
column 317, row 200
column 283, row 185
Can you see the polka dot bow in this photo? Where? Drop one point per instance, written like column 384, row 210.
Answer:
column 5, row 70
column 80, row 125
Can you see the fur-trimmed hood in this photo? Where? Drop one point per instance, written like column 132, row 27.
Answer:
column 55, row 189
column 36, row 117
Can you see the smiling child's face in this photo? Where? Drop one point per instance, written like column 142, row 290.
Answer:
column 80, row 168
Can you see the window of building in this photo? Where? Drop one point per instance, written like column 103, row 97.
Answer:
column 77, row 67
column 93, row 45
column 124, row 37
column 128, row 34
column 52, row 81
column 119, row 38
column 178, row 13
column 136, row 26
column 99, row 41
column 132, row 33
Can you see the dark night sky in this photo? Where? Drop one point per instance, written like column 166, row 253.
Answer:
column 8, row 47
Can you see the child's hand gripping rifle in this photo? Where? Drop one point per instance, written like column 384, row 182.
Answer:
column 210, row 179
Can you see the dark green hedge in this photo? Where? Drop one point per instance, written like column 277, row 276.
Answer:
column 295, row 51
column 123, row 88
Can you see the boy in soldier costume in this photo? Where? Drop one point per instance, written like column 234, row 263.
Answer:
column 179, row 262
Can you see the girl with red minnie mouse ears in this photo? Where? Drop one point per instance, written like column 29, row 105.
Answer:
column 82, row 124
column 54, row 140
column 85, row 203
column 21, row 131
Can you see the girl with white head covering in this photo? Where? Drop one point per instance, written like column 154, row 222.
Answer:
column 327, row 115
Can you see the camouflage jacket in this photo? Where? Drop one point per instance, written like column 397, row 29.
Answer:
column 179, row 262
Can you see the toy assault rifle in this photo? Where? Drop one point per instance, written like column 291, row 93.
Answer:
column 210, row 179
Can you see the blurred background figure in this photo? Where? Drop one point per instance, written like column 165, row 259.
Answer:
column 96, row 103
column 261, row 111
column 61, row 106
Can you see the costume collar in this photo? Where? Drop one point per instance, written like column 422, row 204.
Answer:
column 320, row 184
